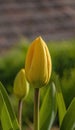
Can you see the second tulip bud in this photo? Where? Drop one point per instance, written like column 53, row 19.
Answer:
column 21, row 86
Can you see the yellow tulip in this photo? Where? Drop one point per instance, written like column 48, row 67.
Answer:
column 21, row 87
column 38, row 63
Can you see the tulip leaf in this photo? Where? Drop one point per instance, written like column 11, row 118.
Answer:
column 7, row 115
column 60, row 101
column 68, row 122
column 4, row 115
column 48, row 109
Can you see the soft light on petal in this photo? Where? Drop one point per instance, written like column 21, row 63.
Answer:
column 38, row 63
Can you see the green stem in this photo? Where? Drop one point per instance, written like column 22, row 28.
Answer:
column 20, row 113
column 36, row 109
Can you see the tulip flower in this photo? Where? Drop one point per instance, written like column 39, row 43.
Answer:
column 21, row 87
column 38, row 63
column 38, row 71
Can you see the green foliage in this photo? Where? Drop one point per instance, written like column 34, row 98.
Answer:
column 69, row 118
column 48, row 109
column 60, row 100
column 68, row 85
column 7, row 116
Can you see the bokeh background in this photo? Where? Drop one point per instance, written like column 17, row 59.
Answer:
column 21, row 21
column 52, row 19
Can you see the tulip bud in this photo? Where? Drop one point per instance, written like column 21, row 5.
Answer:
column 38, row 63
column 21, row 86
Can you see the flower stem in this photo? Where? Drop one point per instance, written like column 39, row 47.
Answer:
column 36, row 109
column 20, row 113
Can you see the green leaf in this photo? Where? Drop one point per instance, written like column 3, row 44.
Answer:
column 4, row 115
column 48, row 109
column 68, row 122
column 60, row 101
column 6, row 112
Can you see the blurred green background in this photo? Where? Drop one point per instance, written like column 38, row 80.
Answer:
column 63, row 65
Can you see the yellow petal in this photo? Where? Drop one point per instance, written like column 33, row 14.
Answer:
column 37, row 63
